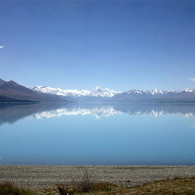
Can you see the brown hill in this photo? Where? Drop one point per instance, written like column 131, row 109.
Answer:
column 13, row 92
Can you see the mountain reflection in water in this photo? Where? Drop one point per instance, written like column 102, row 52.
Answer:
column 97, row 134
column 10, row 113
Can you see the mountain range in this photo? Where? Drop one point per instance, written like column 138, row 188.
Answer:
column 13, row 92
column 100, row 94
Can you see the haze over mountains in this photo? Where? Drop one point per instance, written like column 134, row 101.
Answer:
column 13, row 92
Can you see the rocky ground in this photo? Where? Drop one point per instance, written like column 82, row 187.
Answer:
column 38, row 177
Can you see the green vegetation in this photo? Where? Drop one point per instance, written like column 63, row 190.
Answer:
column 9, row 189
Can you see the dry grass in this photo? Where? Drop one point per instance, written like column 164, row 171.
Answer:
column 86, row 188
column 178, row 186
column 9, row 189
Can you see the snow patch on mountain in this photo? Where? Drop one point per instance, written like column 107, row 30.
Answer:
column 151, row 91
column 61, row 92
column 103, row 92
column 155, row 91
column 135, row 91
column 96, row 92
column 187, row 90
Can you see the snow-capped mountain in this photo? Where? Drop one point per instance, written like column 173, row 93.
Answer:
column 13, row 92
column 155, row 95
column 61, row 92
column 187, row 90
column 96, row 92
column 99, row 94
column 103, row 92
column 150, row 91
column 155, row 91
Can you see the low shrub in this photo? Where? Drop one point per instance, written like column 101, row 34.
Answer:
column 85, row 188
column 9, row 189
column 85, row 183
column 64, row 190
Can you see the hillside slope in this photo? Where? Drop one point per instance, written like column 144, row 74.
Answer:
column 13, row 92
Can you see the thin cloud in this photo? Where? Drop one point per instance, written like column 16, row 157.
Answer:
column 192, row 79
column 1, row 46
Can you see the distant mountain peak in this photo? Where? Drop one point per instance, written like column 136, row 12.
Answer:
column 98, row 87
column 188, row 90
column 13, row 83
column 154, row 91
column 103, row 92
column 100, row 94
column 96, row 92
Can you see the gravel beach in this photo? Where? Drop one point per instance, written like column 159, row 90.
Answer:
column 38, row 177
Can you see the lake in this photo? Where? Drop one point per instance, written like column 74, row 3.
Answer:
column 97, row 134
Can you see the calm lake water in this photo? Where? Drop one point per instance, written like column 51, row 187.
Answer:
column 118, row 134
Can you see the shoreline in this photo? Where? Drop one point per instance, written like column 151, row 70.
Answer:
column 47, row 176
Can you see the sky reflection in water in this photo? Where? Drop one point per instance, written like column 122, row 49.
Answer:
column 97, row 134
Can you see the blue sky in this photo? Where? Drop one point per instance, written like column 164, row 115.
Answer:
column 120, row 45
